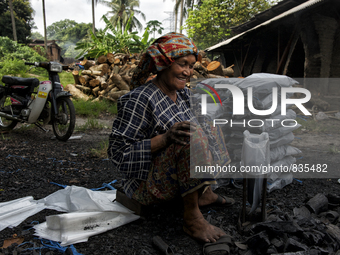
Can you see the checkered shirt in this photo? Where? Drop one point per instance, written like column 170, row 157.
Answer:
column 143, row 113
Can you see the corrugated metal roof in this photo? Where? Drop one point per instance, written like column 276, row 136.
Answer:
column 280, row 16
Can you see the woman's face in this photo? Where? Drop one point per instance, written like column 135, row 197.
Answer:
column 176, row 76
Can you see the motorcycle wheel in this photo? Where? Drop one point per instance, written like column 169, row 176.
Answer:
column 63, row 124
column 6, row 124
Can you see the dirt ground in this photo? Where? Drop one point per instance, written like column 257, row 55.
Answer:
column 31, row 160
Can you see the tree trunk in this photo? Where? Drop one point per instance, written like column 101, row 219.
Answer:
column 182, row 16
column 93, row 24
column 45, row 34
column 13, row 21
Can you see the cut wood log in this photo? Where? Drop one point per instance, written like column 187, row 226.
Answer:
column 206, row 60
column 229, row 71
column 87, row 63
column 84, row 79
column 94, row 83
column 75, row 74
column 116, row 61
column 89, row 72
column 132, row 70
column 120, row 83
column 198, row 75
column 209, row 75
column 118, row 94
column 104, row 68
column 202, row 53
column 110, row 58
column 102, row 59
column 102, row 81
column 215, row 67
column 108, row 89
column 76, row 93
column 124, row 69
column 84, row 89
column 96, row 90
column 200, row 68
column 127, row 79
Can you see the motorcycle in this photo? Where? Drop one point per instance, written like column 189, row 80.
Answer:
column 50, row 104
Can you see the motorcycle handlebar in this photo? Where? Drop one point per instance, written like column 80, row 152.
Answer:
column 29, row 63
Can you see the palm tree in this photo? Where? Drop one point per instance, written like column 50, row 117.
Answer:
column 94, row 2
column 45, row 34
column 121, row 10
column 155, row 26
column 189, row 4
column 13, row 20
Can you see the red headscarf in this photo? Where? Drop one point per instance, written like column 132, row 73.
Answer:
column 161, row 54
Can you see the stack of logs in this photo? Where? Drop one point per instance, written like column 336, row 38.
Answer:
column 110, row 76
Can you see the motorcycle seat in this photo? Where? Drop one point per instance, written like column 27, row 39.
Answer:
column 10, row 80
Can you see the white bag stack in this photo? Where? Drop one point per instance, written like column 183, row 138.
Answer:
column 279, row 127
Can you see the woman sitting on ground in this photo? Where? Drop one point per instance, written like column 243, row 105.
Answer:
column 149, row 143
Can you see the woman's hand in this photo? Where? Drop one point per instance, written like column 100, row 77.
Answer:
column 178, row 132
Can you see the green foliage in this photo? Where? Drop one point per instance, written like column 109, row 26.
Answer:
column 121, row 12
column 142, row 43
column 68, row 33
column 210, row 23
column 37, row 35
column 93, row 109
column 13, row 55
column 120, row 40
column 155, row 26
column 23, row 14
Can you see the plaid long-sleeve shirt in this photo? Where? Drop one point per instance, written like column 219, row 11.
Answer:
column 143, row 114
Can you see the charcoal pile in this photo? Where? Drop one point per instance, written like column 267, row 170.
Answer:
column 312, row 228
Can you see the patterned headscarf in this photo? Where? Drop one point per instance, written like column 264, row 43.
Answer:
column 161, row 54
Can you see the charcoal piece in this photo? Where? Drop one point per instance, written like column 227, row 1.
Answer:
column 278, row 227
column 302, row 211
column 259, row 241
column 318, row 204
column 334, row 199
column 332, row 216
column 313, row 238
column 294, row 246
column 278, row 243
column 334, row 232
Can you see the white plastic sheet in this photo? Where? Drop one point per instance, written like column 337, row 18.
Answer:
column 12, row 213
column 90, row 213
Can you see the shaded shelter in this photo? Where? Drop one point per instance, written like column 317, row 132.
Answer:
column 297, row 38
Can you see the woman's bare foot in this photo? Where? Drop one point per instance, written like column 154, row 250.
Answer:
column 208, row 197
column 197, row 227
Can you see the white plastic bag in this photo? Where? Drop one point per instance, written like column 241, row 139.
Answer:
column 255, row 151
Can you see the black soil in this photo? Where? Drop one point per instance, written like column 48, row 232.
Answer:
column 31, row 161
